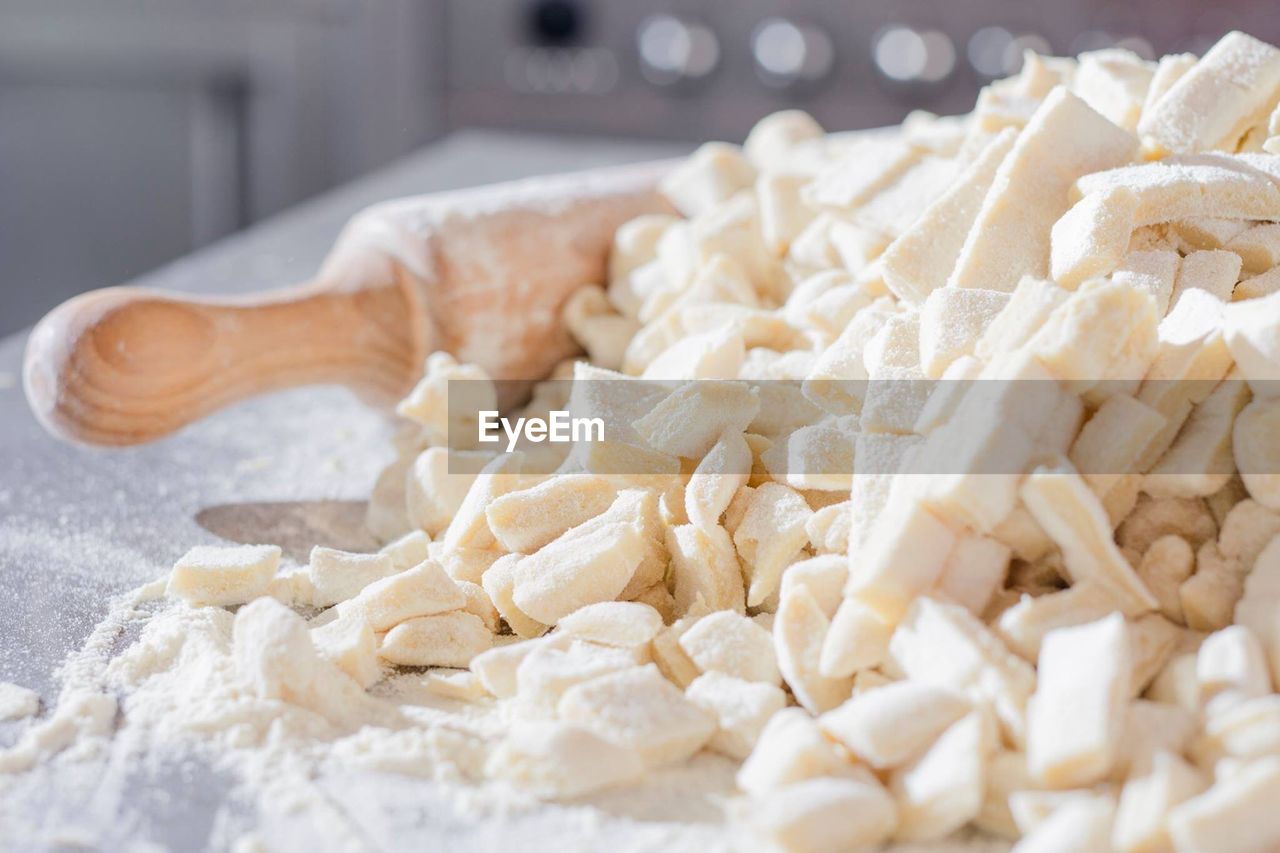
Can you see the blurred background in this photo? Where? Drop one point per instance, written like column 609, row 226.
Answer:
column 133, row 131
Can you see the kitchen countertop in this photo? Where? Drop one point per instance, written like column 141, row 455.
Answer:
column 79, row 525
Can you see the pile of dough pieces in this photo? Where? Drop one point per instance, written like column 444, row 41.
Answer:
column 1062, row 628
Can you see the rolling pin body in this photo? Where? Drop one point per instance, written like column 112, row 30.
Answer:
column 481, row 274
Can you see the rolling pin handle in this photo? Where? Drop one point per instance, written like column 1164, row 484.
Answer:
column 123, row 366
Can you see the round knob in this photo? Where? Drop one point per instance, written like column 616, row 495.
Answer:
column 910, row 56
column 555, row 23
column 676, row 50
column 789, row 54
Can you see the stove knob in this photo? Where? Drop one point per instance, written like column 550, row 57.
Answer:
column 790, row 54
column 676, row 50
column 913, row 57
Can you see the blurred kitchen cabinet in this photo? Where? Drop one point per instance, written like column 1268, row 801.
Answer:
column 134, row 131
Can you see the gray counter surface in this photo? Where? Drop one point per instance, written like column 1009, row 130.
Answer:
column 79, row 525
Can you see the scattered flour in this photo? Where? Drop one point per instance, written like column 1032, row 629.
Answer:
column 179, row 690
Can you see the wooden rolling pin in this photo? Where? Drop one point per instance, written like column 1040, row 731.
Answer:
column 480, row 273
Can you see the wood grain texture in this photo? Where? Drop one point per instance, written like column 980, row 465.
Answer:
column 481, row 273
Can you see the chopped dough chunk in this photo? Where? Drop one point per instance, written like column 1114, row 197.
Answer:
column 564, row 761
column 817, row 815
column 639, row 709
column 223, row 576
column 1076, row 717
column 891, row 725
column 1216, row 99
column 1063, row 141
column 447, row 639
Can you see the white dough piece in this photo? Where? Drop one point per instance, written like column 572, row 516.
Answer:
column 1257, row 456
column 1030, row 305
column 1232, row 660
column 1082, row 822
column 1076, row 717
column 773, row 142
column 770, row 537
column 446, row 639
column 274, row 659
column 819, row 815
column 890, row 725
column 857, row 639
column 428, row 403
column 741, row 708
column 1152, row 272
column 349, row 643
column 524, row 521
column 1212, row 185
column 732, row 644
column 1233, row 85
column 550, row 668
column 944, row 645
column 901, row 559
column 1168, row 71
column 1214, row 271
column 1202, row 232
column 1063, row 141
column 823, row 576
column 1103, row 331
column 790, row 749
column 560, row 761
column 597, row 327
column 1249, row 329
column 469, row 527
column 1258, row 286
column 704, row 567
column 1199, row 462
column 1073, row 516
column 622, row 624
column 438, row 482
column 1258, row 248
column 1114, row 82
column 421, row 591
column 498, row 582
column 339, row 575
column 895, row 208
column 223, row 575
column 691, row 420
column 921, row 258
column 409, row 550
column 582, row 567
column 1237, row 813
column 497, row 667
column 951, row 323
column 783, row 215
column 799, row 631
column 711, row 175
column 458, row 684
column 942, row 790
column 869, row 166
column 1092, row 238
column 639, row 709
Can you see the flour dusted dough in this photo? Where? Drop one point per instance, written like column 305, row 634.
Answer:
column 938, row 492
column 212, row 575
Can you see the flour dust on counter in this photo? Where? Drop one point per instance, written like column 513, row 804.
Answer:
column 934, row 507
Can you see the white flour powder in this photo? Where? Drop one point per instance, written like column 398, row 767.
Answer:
column 173, row 693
